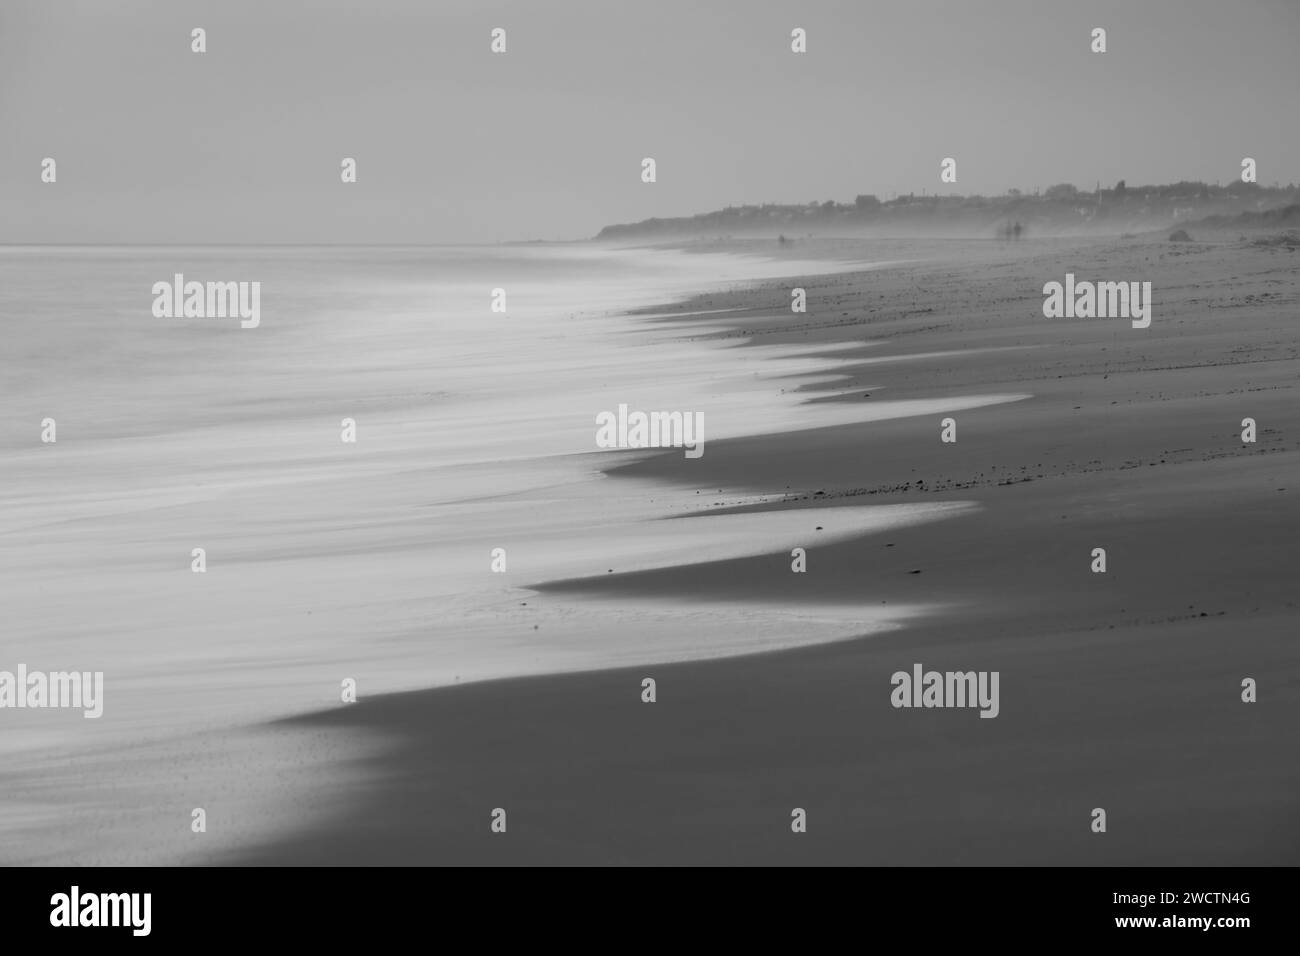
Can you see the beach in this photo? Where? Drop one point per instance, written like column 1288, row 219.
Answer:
column 523, row 692
column 1120, row 690
column 221, row 523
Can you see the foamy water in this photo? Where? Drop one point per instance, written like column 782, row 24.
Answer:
column 370, row 560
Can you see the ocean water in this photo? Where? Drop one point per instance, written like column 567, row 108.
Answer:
column 371, row 560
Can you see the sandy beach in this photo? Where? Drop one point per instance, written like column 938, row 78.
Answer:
column 1120, row 690
column 394, row 561
column 587, row 434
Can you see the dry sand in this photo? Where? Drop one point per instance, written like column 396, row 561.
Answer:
column 1118, row 690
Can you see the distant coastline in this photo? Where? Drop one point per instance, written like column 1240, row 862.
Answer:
column 1060, row 210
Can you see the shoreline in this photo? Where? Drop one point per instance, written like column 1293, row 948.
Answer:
column 1198, row 595
column 710, row 773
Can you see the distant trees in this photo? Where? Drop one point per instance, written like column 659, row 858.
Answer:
column 1121, row 189
column 866, row 203
column 1061, row 191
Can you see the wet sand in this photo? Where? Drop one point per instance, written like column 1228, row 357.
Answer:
column 1118, row 690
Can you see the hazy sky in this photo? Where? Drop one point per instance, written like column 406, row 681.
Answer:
column 243, row 143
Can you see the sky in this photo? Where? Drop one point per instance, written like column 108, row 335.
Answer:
column 243, row 143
